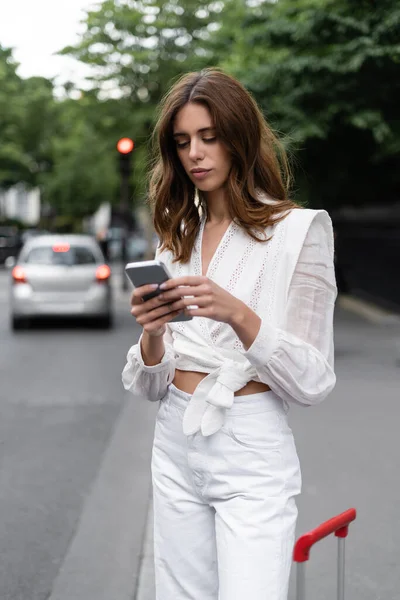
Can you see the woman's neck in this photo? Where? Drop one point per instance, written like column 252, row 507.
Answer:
column 217, row 207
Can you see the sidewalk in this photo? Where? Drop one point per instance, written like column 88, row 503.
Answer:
column 346, row 304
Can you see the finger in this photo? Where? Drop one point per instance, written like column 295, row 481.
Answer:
column 198, row 312
column 135, row 299
column 140, row 308
column 144, row 316
column 188, row 280
column 136, row 311
column 180, row 292
column 154, row 325
column 152, row 303
column 203, row 301
column 141, row 291
column 183, row 303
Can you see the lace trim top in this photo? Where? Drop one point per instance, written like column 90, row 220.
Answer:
column 289, row 282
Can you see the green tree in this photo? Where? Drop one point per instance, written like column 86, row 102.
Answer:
column 327, row 74
column 82, row 175
column 38, row 115
column 14, row 163
column 138, row 47
column 65, row 146
column 27, row 112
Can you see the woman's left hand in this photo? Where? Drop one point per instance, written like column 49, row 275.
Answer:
column 212, row 301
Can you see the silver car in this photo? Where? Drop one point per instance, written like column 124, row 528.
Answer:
column 61, row 275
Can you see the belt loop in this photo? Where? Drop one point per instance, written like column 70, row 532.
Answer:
column 168, row 399
column 165, row 398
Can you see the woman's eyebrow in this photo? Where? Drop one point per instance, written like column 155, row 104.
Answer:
column 202, row 130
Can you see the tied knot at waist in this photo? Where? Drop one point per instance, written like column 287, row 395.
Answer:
column 214, row 396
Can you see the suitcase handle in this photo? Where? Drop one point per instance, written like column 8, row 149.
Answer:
column 339, row 525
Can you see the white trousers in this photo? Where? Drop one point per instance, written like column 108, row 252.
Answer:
column 224, row 505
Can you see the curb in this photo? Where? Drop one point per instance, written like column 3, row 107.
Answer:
column 369, row 311
column 103, row 560
column 146, row 589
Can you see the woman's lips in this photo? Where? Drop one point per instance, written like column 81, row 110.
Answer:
column 201, row 174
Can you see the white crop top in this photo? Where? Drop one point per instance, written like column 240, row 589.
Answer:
column 289, row 282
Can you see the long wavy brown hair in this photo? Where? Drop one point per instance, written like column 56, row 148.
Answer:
column 259, row 163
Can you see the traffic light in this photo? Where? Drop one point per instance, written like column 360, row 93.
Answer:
column 125, row 147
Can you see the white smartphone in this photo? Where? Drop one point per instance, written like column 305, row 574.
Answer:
column 151, row 271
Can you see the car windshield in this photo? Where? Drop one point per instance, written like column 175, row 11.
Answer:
column 61, row 254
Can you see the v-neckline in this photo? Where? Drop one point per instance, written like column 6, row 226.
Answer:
column 217, row 249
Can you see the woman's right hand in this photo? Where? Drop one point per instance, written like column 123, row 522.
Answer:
column 151, row 314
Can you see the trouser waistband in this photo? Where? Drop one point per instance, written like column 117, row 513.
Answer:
column 251, row 403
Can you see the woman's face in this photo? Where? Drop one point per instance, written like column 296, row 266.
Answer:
column 203, row 156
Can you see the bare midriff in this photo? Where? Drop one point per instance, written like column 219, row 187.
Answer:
column 187, row 381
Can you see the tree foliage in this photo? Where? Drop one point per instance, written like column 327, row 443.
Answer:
column 325, row 72
column 25, row 123
column 139, row 46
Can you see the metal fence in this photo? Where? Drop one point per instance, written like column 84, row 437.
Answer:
column 368, row 256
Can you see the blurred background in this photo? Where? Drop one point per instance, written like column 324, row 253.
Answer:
column 76, row 77
column 325, row 73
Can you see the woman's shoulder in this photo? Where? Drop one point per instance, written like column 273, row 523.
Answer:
column 294, row 213
column 310, row 224
column 307, row 216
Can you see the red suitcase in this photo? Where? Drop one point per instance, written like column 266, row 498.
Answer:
column 338, row 525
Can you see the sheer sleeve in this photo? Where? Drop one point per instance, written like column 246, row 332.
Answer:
column 297, row 360
column 149, row 382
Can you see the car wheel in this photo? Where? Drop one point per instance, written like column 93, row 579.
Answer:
column 18, row 323
column 106, row 322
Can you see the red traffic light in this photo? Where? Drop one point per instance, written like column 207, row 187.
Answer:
column 125, row 145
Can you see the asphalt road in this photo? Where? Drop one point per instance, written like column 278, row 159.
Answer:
column 61, row 403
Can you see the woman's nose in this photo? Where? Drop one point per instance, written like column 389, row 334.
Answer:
column 195, row 152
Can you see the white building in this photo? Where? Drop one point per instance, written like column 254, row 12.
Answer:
column 20, row 203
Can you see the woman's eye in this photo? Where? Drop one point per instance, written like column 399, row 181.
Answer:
column 209, row 140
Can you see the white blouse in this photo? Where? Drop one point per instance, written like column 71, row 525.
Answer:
column 289, row 282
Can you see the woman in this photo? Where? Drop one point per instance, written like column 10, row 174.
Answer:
column 255, row 271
